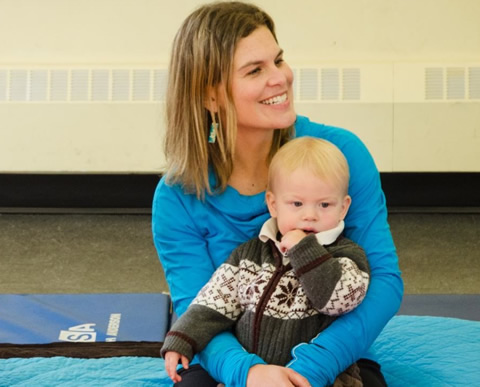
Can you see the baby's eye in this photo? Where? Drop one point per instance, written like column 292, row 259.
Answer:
column 297, row 204
column 325, row 204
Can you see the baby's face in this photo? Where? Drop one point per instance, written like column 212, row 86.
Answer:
column 302, row 201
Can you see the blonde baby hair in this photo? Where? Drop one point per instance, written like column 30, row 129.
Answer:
column 321, row 157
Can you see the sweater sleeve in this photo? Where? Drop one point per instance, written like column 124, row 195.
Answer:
column 350, row 336
column 215, row 309
column 334, row 278
column 182, row 249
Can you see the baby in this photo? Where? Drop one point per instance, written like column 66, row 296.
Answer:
column 281, row 289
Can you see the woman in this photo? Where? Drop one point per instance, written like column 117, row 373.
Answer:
column 229, row 109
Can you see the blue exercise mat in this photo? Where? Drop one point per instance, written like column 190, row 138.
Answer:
column 82, row 321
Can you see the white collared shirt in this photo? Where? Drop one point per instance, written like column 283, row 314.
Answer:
column 269, row 230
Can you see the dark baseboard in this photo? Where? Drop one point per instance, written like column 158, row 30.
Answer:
column 77, row 191
column 402, row 190
column 422, row 189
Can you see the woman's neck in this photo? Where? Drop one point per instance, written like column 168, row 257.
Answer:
column 250, row 165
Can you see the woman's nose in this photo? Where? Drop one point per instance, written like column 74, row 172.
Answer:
column 278, row 76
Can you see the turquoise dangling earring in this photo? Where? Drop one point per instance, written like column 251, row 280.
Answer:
column 212, row 135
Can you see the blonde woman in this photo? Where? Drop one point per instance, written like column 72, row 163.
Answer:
column 229, row 109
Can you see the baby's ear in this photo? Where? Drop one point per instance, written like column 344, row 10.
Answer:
column 347, row 200
column 271, row 203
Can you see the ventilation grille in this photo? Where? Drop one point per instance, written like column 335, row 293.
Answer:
column 82, row 85
column 327, row 84
column 149, row 85
column 312, row 84
column 452, row 83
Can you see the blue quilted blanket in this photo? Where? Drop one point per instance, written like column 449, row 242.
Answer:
column 430, row 351
column 413, row 351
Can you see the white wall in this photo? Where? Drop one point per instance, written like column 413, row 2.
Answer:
column 81, row 82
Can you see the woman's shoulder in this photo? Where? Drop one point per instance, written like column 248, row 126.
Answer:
column 305, row 127
column 169, row 196
column 165, row 190
column 348, row 142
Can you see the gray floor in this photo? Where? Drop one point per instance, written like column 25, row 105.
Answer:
column 113, row 253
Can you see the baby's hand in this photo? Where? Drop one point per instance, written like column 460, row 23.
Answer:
column 171, row 362
column 290, row 239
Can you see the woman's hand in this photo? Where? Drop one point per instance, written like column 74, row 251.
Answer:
column 263, row 375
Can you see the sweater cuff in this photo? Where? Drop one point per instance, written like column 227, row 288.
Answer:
column 307, row 254
column 176, row 343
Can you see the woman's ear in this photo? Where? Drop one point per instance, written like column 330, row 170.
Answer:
column 211, row 100
column 271, row 204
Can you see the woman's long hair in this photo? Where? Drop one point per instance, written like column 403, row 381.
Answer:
column 202, row 63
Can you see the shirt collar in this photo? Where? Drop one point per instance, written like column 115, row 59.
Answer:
column 269, row 230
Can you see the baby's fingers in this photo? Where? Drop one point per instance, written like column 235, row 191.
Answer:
column 171, row 368
column 185, row 362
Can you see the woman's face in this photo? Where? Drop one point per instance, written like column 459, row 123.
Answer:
column 262, row 84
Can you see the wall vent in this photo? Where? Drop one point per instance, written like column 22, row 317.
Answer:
column 120, row 85
column 455, row 83
column 351, row 84
column 59, row 85
column 144, row 85
column 100, row 85
column 308, row 84
column 149, row 85
column 141, row 85
column 474, row 83
column 452, row 83
column 3, row 85
column 38, row 85
column 328, row 84
column 82, row 85
column 434, row 83
column 18, row 85
column 160, row 84
column 79, row 85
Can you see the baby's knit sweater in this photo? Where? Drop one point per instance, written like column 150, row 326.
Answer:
column 274, row 305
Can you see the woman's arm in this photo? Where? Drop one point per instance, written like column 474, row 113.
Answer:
column 348, row 338
column 182, row 248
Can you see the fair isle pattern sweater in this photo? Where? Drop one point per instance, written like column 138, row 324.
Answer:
column 274, row 302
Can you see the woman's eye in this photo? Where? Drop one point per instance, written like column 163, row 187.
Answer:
column 279, row 61
column 254, row 71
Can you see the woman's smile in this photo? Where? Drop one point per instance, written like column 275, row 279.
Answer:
column 277, row 100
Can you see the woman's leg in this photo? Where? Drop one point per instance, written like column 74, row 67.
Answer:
column 371, row 374
column 195, row 376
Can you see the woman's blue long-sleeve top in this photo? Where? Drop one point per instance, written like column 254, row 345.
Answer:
column 193, row 238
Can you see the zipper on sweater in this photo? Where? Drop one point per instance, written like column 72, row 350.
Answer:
column 280, row 270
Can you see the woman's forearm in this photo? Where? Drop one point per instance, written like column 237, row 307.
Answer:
column 227, row 361
column 350, row 336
